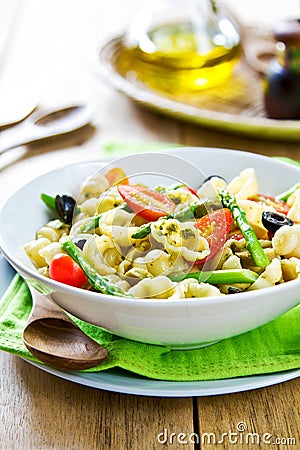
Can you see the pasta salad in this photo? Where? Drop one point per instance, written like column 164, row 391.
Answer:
column 134, row 241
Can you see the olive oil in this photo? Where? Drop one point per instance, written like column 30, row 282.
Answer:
column 177, row 58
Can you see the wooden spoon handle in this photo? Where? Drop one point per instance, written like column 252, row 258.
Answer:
column 45, row 308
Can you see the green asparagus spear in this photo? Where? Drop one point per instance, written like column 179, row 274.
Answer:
column 93, row 222
column 190, row 212
column 49, row 201
column 252, row 243
column 102, row 284
column 220, row 276
column 143, row 231
column 186, row 213
column 90, row 224
column 285, row 195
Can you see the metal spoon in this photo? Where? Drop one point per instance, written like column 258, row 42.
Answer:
column 56, row 340
column 46, row 124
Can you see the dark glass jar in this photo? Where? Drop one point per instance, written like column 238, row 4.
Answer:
column 282, row 93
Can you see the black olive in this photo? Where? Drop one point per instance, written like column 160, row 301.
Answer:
column 272, row 221
column 65, row 206
column 79, row 242
column 233, row 290
column 212, row 176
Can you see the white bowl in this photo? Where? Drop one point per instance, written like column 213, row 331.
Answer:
column 175, row 323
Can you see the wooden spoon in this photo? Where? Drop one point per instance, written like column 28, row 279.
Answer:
column 56, row 340
column 46, row 124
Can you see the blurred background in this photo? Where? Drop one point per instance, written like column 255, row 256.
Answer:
column 48, row 52
column 48, row 47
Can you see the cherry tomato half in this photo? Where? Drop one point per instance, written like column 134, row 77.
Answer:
column 193, row 191
column 115, row 176
column 146, row 202
column 279, row 205
column 236, row 236
column 63, row 269
column 215, row 227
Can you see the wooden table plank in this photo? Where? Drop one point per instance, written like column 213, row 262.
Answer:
column 271, row 411
column 41, row 411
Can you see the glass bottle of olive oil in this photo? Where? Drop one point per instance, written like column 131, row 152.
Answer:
column 180, row 46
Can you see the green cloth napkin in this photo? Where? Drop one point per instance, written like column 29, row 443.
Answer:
column 271, row 348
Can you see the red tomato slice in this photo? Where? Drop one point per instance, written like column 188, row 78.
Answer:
column 215, row 227
column 116, row 176
column 146, row 202
column 189, row 188
column 279, row 205
column 236, row 236
column 63, row 269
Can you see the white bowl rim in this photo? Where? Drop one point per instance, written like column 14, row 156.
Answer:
column 209, row 301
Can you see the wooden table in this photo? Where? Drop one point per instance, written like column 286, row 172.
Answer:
column 50, row 51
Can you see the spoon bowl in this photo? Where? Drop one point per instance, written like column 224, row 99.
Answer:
column 52, row 337
column 46, row 124
column 67, row 118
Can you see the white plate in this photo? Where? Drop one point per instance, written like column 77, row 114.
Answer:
column 128, row 383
